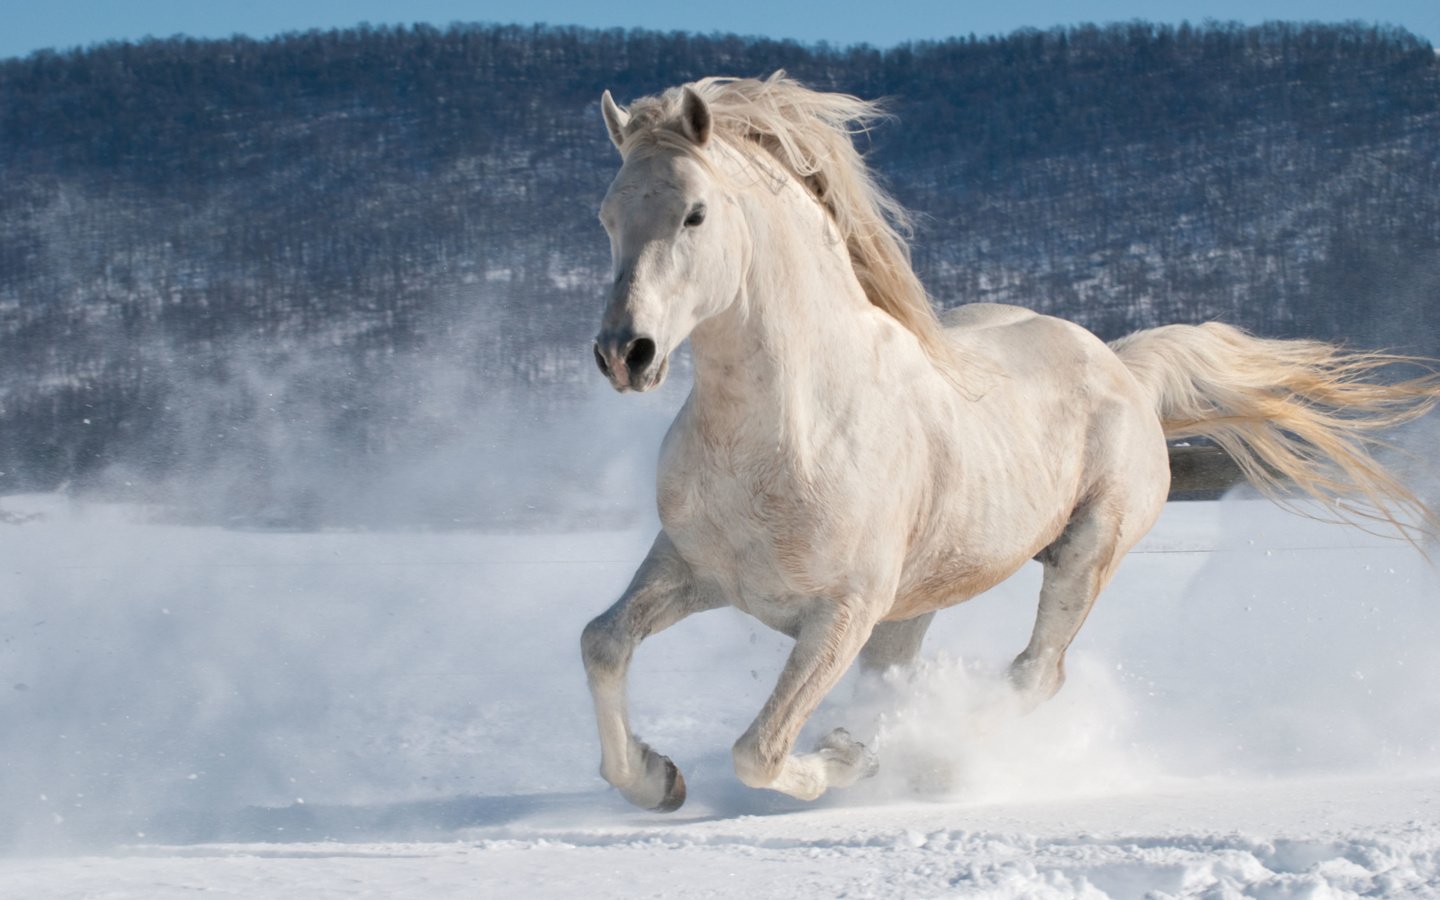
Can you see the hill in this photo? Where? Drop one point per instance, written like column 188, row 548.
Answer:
column 278, row 268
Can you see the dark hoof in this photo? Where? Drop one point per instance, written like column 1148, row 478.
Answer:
column 674, row 789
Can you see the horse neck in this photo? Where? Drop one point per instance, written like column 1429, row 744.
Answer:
column 800, row 325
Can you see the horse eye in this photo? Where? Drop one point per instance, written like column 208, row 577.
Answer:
column 697, row 215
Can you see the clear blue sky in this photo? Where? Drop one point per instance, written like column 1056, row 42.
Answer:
column 27, row 25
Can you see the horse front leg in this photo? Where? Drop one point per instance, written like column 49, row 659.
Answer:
column 662, row 593
column 827, row 642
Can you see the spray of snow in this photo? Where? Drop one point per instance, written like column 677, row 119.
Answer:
column 953, row 730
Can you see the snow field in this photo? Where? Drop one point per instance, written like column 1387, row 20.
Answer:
column 1251, row 711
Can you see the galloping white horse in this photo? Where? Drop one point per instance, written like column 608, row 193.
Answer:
column 846, row 465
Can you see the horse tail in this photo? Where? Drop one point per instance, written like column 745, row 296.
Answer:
column 1290, row 412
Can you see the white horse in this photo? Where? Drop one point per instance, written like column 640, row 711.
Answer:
column 846, row 465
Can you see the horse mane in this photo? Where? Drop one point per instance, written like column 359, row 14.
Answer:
column 811, row 133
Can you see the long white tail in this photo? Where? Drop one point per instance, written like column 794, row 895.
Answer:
column 1299, row 412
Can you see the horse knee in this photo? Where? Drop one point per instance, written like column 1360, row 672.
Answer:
column 600, row 648
column 754, row 767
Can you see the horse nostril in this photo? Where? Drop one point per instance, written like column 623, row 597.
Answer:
column 640, row 354
column 600, row 360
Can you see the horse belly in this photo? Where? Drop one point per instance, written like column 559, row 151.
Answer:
column 987, row 523
column 951, row 581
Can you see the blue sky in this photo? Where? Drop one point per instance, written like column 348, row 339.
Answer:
column 34, row 24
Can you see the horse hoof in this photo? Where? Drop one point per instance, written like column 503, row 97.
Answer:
column 855, row 759
column 674, row 789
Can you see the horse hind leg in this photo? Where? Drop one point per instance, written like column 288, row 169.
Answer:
column 1077, row 566
column 894, row 644
column 925, row 761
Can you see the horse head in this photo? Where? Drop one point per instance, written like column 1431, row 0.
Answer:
column 677, row 238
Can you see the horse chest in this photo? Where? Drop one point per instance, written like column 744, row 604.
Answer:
column 743, row 522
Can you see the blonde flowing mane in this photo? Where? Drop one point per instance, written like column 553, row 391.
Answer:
column 810, row 133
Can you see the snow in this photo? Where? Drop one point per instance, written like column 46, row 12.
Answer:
column 1252, row 710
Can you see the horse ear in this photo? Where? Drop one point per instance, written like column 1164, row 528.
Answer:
column 615, row 118
column 695, row 117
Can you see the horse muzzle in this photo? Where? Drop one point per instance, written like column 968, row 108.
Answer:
column 632, row 363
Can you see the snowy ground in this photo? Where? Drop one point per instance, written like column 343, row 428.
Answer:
column 1252, row 710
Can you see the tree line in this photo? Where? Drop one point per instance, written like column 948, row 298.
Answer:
column 265, row 251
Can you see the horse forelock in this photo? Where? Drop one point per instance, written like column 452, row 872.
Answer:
column 811, row 134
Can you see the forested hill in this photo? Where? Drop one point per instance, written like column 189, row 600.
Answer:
column 332, row 243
